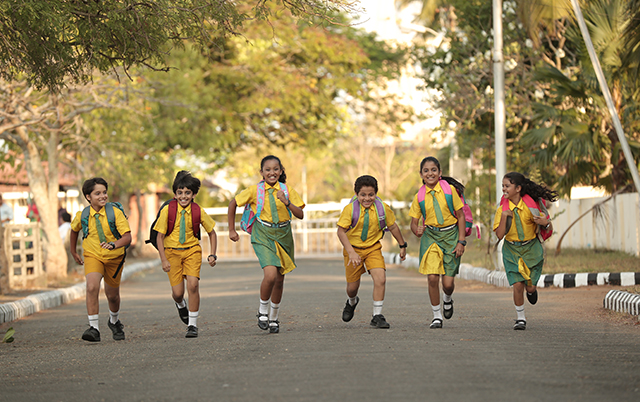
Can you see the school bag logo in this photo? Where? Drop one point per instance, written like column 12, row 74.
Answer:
column 536, row 208
column 111, row 218
column 172, row 204
column 248, row 216
column 380, row 212
column 466, row 209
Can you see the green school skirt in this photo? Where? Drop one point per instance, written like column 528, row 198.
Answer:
column 523, row 263
column 274, row 246
column 436, row 252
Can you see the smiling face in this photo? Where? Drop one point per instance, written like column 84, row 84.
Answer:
column 430, row 174
column 271, row 171
column 184, row 196
column 98, row 197
column 366, row 196
column 511, row 191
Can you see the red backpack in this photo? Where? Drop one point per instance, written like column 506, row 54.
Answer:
column 172, row 204
column 537, row 209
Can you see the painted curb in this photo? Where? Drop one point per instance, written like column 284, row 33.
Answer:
column 622, row 302
column 53, row 298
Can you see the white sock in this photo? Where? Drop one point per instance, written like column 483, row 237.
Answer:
column 446, row 298
column 437, row 313
column 353, row 300
column 93, row 321
column 520, row 312
column 377, row 307
column 264, row 307
column 275, row 309
column 182, row 304
column 113, row 317
column 193, row 318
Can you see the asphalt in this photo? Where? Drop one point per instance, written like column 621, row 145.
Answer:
column 567, row 353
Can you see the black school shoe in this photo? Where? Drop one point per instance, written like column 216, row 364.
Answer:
column 91, row 335
column 274, row 326
column 347, row 312
column 532, row 297
column 183, row 312
column 117, row 329
column 192, row 332
column 447, row 313
column 378, row 321
column 436, row 323
column 263, row 324
column 520, row 325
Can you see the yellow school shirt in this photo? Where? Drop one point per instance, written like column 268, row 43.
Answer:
column 91, row 244
column 173, row 240
column 250, row 196
column 431, row 220
column 374, row 234
column 526, row 217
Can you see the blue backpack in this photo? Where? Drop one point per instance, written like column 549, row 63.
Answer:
column 248, row 217
column 111, row 217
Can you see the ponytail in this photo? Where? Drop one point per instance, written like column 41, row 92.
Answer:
column 534, row 190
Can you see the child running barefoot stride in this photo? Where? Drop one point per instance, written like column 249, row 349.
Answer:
column 178, row 241
column 442, row 235
column 106, row 234
column 272, row 203
column 360, row 227
column 519, row 218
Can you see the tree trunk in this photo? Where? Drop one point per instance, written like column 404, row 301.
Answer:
column 45, row 195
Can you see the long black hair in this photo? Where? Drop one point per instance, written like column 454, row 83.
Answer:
column 534, row 190
column 283, row 175
column 455, row 183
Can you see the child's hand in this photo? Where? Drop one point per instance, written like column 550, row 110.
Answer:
column 508, row 212
column 403, row 253
column 77, row 258
column 459, row 250
column 233, row 235
column 540, row 220
column 212, row 261
column 282, row 197
column 166, row 266
column 354, row 259
column 420, row 230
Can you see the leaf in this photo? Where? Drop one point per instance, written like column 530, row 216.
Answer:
column 8, row 336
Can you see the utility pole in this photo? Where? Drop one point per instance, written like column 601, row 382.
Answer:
column 498, row 94
column 607, row 95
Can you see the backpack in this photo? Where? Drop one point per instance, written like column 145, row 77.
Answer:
column 355, row 213
column 536, row 208
column 248, row 217
column 446, row 188
column 111, row 218
column 172, row 204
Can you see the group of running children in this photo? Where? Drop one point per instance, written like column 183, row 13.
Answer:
column 437, row 218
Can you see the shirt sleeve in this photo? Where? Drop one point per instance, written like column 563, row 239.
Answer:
column 76, row 224
column 345, row 217
column 161, row 223
column 457, row 201
column 496, row 217
column 390, row 216
column 295, row 198
column 415, row 211
column 247, row 196
column 207, row 221
column 121, row 222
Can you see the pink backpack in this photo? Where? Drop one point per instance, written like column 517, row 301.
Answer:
column 446, row 188
column 535, row 208
column 248, row 217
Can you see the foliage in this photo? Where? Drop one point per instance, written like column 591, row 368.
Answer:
column 8, row 336
column 54, row 40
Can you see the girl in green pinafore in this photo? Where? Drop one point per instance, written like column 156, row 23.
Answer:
column 519, row 225
column 442, row 236
column 271, row 235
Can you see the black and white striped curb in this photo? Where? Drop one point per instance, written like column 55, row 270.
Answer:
column 42, row 301
column 588, row 279
column 623, row 302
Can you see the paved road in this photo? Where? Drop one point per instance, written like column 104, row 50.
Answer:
column 563, row 355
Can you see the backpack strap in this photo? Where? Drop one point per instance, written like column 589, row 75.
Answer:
column 171, row 215
column 260, row 191
column 111, row 218
column 382, row 216
column 504, row 203
column 446, row 189
column 355, row 212
column 284, row 188
column 422, row 192
column 196, row 218
column 84, row 220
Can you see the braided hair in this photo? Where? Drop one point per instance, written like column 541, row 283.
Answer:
column 534, row 190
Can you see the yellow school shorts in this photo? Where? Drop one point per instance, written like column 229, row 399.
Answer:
column 111, row 270
column 183, row 263
column 371, row 258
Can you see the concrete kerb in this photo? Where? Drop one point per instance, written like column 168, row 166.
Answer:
column 53, row 298
column 616, row 300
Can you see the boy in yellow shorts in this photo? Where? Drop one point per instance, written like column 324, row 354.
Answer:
column 178, row 241
column 361, row 225
column 106, row 234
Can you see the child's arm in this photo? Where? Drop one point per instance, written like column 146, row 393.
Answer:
column 73, row 243
column 295, row 210
column 416, row 227
column 231, row 218
column 354, row 258
column 542, row 221
column 395, row 231
column 213, row 246
column 501, row 230
column 166, row 266
column 459, row 250
column 124, row 241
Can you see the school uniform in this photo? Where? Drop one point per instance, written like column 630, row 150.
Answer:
column 370, row 249
column 271, row 236
column 185, row 258
column 522, row 254
column 107, row 262
column 439, row 238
